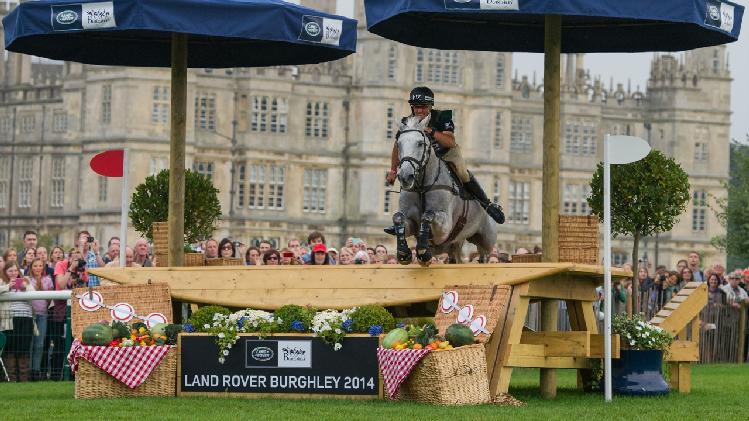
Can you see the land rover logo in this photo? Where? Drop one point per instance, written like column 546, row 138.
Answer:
column 462, row 1
column 262, row 353
column 312, row 28
column 714, row 11
column 66, row 17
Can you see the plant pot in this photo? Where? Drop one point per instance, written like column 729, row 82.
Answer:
column 638, row 373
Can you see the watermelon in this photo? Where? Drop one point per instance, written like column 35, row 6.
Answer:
column 159, row 328
column 459, row 335
column 395, row 336
column 97, row 334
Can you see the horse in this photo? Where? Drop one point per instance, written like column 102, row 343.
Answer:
column 431, row 206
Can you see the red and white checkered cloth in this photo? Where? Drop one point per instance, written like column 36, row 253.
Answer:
column 396, row 365
column 131, row 365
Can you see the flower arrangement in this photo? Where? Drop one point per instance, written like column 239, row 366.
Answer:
column 331, row 326
column 638, row 334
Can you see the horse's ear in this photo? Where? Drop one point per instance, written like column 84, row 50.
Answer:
column 425, row 122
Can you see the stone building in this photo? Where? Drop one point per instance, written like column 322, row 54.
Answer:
column 300, row 148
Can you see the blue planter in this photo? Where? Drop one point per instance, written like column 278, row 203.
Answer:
column 638, row 373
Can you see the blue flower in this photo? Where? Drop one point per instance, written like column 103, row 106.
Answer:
column 401, row 325
column 298, row 326
column 375, row 330
column 187, row 327
column 241, row 321
column 347, row 325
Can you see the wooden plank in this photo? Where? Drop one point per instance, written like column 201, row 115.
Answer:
column 685, row 291
column 671, row 305
column 597, row 347
column 679, row 299
column 680, row 377
column 682, row 350
column 657, row 320
column 688, row 310
column 664, row 313
column 548, row 362
column 511, row 334
column 560, row 344
column 549, row 322
column 692, row 285
column 527, row 350
column 696, row 324
column 492, row 347
column 563, row 287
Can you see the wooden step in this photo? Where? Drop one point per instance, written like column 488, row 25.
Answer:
column 692, row 285
column 671, row 305
column 657, row 320
column 664, row 313
column 679, row 299
column 685, row 291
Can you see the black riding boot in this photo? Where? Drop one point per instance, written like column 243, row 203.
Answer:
column 493, row 209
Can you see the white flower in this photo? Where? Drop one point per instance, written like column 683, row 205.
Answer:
column 632, row 343
column 221, row 335
column 221, row 360
column 226, row 352
column 206, row 326
column 338, row 331
column 337, row 346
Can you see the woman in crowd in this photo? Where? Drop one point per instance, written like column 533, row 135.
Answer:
column 253, row 257
column 41, row 253
column 26, row 262
column 715, row 294
column 320, row 255
column 56, row 255
column 272, row 257
column 2, row 263
column 391, row 260
column 18, row 348
column 380, row 254
column 39, row 281
column 226, row 248
column 6, row 321
column 686, row 276
column 9, row 255
column 346, row 256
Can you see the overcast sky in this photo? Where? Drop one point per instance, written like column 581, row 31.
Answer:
column 637, row 67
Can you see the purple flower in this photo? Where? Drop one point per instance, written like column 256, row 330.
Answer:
column 298, row 326
column 375, row 330
column 188, row 328
column 347, row 325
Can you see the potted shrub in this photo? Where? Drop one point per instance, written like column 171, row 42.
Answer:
column 150, row 205
column 638, row 371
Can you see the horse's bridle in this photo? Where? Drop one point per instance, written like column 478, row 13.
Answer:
column 419, row 165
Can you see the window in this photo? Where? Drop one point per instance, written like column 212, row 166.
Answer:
column 315, row 186
column 619, row 258
column 205, row 111
column 575, row 199
column 242, row 170
column 699, row 209
column 519, row 201
column 269, row 114
column 390, row 123
column 589, row 146
column 437, row 66
column 4, row 181
column 701, row 152
column 25, row 171
column 57, row 199
column 392, row 61
column 496, row 190
column 157, row 164
column 316, row 124
column 3, row 239
column 103, row 184
column 204, row 168
column 28, row 122
column 500, row 80
column 580, row 139
column 160, row 106
column 386, row 202
column 521, row 136
column 498, row 130
column 59, row 122
column 5, row 125
column 266, row 186
column 106, row 104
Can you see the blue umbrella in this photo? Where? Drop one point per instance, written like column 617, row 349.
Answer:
column 178, row 34
column 555, row 26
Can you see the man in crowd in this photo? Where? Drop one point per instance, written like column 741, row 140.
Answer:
column 29, row 241
column 211, row 249
column 129, row 259
column 89, row 248
column 734, row 294
column 693, row 261
column 265, row 246
column 313, row 239
column 141, row 253
column 113, row 250
column 295, row 246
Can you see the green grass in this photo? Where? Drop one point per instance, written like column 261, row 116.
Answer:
column 716, row 394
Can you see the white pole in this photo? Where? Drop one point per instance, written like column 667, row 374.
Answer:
column 123, row 213
column 607, row 267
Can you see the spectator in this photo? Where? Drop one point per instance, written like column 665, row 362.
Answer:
column 681, row 264
column 473, row 257
column 211, row 249
column 6, row 321
column 522, row 250
column 18, row 348
column 141, row 253
column 721, row 271
column 333, row 255
column 693, row 262
column 64, row 280
column 113, row 251
column 361, row 258
column 346, row 256
column 41, row 253
column 504, row 257
column 271, row 257
column 313, row 239
column 57, row 255
column 9, row 255
column 619, row 298
column 686, row 276
column 320, row 255
column 253, row 257
column 71, row 273
column 287, row 257
column 715, row 294
column 493, row 258
column 442, row 258
column 29, row 242
column 129, row 259
column 28, row 256
column 646, row 283
column 735, row 296
column 265, row 245
column 89, row 248
column 745, row 281
column 39, row 281
column 371, row 254
column 2, row 263
column 381, row 253
column 537, row 250
column 391, row 260
column 295, row 246
column 226, row 248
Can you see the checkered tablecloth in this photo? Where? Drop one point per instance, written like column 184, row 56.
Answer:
column 130, row 365
column 396, row 365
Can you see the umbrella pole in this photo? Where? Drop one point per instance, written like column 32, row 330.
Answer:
column 177, row 151
column 550, row 194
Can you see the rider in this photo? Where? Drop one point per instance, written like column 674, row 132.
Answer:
column 441, row 131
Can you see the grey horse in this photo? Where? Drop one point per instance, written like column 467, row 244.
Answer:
column 431, row 207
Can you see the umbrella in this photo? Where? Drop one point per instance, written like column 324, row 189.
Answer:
column 553, row 27
column 178, row 34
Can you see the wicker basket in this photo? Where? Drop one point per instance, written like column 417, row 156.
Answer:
column 224, row 261
column 578, row 239
column 452, row 377
column 194, row 259
column 162, row 260
column 91, row 382
column 526, row 258
column 160, row 232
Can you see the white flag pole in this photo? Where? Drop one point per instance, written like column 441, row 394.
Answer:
column 607, row 268
column 125, row 207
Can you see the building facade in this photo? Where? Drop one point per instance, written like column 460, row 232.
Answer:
column 295, row 149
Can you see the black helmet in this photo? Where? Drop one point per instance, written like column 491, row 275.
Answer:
column 421, row 96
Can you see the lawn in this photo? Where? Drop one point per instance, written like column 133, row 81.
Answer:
column 716, row 393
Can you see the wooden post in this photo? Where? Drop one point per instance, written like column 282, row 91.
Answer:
column 550, row 194
column 177, row 151
column 742, row 335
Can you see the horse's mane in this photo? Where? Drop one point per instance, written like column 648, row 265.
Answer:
column 413, row 122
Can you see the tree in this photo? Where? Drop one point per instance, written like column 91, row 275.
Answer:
column 150, row 203
column 733, row 211
column 647, row 196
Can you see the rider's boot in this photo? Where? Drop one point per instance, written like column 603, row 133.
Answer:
column 390, row 230
column 403, row 253
column 493, row 209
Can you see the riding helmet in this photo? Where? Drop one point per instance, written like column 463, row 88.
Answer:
column 421, row 96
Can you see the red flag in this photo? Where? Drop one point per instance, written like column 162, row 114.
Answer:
column 109, row 163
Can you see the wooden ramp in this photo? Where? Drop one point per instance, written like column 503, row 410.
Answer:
column 681, row 318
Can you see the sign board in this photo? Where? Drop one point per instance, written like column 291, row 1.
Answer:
column 285, row 364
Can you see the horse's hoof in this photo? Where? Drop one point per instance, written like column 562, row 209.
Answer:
column 426, row 257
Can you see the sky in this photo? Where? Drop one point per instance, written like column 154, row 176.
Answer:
column 637, row 67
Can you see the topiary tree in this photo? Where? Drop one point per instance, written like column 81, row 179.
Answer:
column 150, row 203
column 647, row 197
